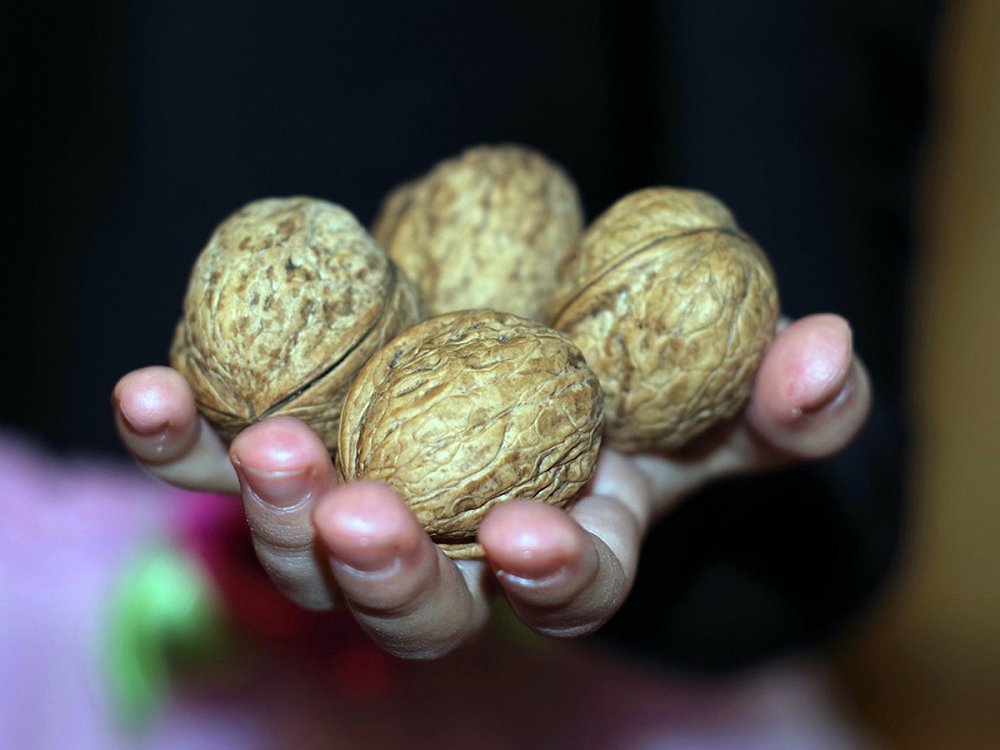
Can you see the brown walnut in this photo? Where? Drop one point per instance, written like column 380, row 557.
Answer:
column 673, row 307
column 289, row 298
column 485, row 229
column 471, row 409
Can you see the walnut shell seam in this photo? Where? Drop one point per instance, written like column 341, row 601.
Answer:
column 622, row 260
column 391, row 289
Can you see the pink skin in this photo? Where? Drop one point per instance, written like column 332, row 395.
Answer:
column 565, row 574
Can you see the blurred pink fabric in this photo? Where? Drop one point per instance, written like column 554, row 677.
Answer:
column 314, row 681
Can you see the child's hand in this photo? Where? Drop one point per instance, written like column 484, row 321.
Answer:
column 565, row 573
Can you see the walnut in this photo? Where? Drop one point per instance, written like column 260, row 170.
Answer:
column 673, row 307
column 470, row 409
column 286, row 302
column 486, row 229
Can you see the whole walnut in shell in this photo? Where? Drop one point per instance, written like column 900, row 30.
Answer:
column 289, row 298
column 486, row 229
column 470, row 409
column 673, row 306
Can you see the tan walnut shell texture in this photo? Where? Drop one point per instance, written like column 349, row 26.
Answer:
column 289, row 298
column 486, row 229
column 673, row 307
column 470, row 409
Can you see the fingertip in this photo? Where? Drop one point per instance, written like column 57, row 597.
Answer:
column 812, row 393
column 159, row 424
column 805, row 369
column 281, row 444
column 155, row 415
column 531, row 540
column 152, row 400
column 411, row 599
column 366, row 525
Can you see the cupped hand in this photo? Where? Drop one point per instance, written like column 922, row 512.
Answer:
column 565, row 573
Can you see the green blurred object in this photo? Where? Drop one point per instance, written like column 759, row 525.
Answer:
column 165, row 617
column 505, row 624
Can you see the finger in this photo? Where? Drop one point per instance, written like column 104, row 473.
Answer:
column 283, row 467
column 159, row 425
column 414, row 601
column 566, row 574
column 812, row 394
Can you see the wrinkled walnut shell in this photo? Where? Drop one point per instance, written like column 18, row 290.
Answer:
column 673, row 307
column 468, row 410
column 486, row 229
column 289, row 298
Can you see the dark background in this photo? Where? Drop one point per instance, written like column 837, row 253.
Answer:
column 131, row 129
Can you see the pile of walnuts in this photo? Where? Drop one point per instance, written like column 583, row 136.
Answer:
column 481, row 342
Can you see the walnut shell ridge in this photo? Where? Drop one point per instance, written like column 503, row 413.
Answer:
column 286, row 302
column 673, row 307
column 486, row 229
column 470, row 409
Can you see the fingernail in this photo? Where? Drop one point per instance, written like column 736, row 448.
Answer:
column 836, row 403
column 146, row 430
column 150, row 441
column 282, row 489
column 155, row 430
column 824, row 376
column 532, row 567
column 363, row 553
column 530, row 582
column 832, row 344
column 372, row 562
